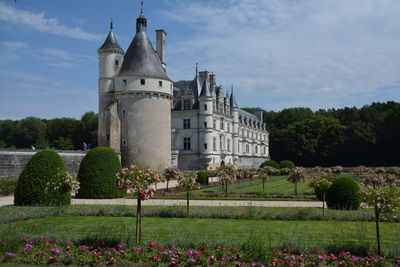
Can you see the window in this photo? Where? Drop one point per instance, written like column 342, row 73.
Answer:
column 220, row 143
column 265, row 150
column 238, row 147
column 123, row 112
column 215, row 143
column 124, row 81
column 221, row 125
column 229, row 145
column 160, row 83
column 256, row 149
column 124, row 143
column 205, row 107
column 205, row 146
column 186, row 143
column 247, row 149
column 186, row 123
column 214, row 124
column 187, row 104
column 116, row 63
column 205, row 124
column 142, row 81
column 229, row 127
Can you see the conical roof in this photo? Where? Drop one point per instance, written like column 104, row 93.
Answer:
column 205, row 89
column 233, row 100
column 141, row 59
column 111, row 43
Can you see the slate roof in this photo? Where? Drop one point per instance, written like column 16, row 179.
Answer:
column 110, row 44
column 141, row 59
column 248, row 114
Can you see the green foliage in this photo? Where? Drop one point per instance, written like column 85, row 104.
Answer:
column 271, row 163
column 88, row 128
column 62, row 132
column 97, row 174
column 343, row 194
column 30, row 132
column 7, row 186
column 35, row 180
column 286, row 164
column 202, row 177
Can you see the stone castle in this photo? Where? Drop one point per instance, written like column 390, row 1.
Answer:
column 156, row 123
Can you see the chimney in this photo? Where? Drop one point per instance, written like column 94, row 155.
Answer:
column 161, row 36
column 259, row 113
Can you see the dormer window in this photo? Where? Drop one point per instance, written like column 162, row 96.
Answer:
column 187, row 104
column 142, row 81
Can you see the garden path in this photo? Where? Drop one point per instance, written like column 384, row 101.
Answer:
column 180, row 202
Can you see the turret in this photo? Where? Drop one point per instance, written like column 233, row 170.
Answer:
column 110, row 61
column 206, row 123
column 144, row 94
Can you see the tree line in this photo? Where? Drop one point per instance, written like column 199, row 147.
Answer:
column 57, row 133
column 347, row 136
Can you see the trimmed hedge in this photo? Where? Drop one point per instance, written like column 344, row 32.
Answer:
column 271, row 163
column 7, row 186
column 286, row 164
column 43, row 168
column 96, row 174
column 202, row 177
column 343, row 194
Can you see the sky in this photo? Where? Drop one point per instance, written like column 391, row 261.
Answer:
column 275, row 53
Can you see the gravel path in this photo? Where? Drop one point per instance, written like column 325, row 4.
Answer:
column 172, row 202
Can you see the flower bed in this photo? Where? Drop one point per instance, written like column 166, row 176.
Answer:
column 45, row 251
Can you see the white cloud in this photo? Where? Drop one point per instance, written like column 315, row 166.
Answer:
column 278, row 53
column 39, row 22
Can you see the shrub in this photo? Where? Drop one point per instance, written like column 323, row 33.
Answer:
column 7, row 186
column 271, row 163
column 319, row 193
column 286, row 164
column 41, row 171
column 97, row 174
column 202, row 177
column 343, row 194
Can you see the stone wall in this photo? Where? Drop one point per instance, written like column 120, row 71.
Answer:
column 12, row 161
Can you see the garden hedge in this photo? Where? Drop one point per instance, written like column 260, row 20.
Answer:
column 343, row 194
column 286, row 164
column 202, row 177
column 96, row 174
column 271, row 163
column 7, row 186
column 43, row 168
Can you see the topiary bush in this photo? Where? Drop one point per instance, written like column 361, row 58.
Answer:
column 202, row 177
column 35, row 184
column 286, row 164
column 343, row 194
column 271, row 163
column 96, row 174
column 319, row 193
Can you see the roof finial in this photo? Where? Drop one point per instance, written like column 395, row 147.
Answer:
column 232, row 89
column 111, row 25
column 196, row 67
column 141, row 8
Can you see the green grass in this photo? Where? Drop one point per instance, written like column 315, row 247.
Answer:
column 181, row 231
column 277, row 186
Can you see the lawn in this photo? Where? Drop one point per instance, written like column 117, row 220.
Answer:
column 185, row 232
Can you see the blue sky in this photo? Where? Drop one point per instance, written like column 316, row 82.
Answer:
column 276, row 53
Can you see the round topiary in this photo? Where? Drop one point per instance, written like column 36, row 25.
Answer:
column 36, row 183
column 286, row 164
column 271, row 163
column 202, row 177
column 96, row 174
column 343, row 194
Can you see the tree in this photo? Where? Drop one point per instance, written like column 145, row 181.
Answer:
column 226, row 174
column 62, row 133
column 141, row 181
column 188, row 182
column 297, row 175
column 171, row 174
column 30, row 132
column 88, row 128
column 321, row 183
column 380, row 192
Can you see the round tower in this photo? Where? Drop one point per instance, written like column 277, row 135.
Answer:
column 206, row 123
column 144, row 92
column 110, row 61
column 235, row 136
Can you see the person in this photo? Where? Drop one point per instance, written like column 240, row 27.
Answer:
column 85, row 146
